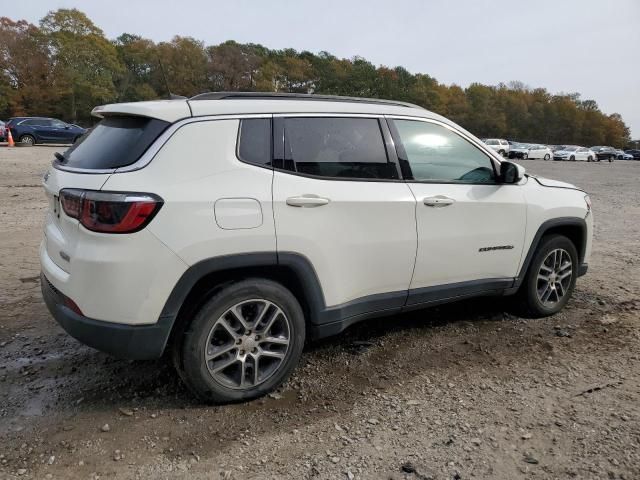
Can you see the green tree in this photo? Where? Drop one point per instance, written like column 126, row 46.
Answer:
column 84, row 62
column 139, row 59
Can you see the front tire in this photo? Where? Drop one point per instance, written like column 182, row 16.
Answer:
column 547, row 157
column 243, row 343
column 572, row 158
column 550, row 279
column 525, row 156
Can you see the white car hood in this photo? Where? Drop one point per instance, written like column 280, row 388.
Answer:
column 547, row 182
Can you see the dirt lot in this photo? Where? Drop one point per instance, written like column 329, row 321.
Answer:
column 456, row 392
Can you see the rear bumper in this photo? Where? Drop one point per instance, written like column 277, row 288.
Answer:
column 134, row 342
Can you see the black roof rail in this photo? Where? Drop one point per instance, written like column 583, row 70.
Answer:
column 296, row 96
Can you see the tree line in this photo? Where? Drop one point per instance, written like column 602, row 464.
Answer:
column 65, row 66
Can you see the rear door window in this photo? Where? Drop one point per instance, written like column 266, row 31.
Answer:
column 254, row 141
column 114, row 142
column 338, row 148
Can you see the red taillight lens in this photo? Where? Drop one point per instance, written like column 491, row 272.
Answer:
column 71, row 200
column 110, row 212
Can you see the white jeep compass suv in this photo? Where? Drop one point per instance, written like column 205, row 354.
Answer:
column 230, row 227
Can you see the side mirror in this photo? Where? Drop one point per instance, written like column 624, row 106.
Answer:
column 511, row 172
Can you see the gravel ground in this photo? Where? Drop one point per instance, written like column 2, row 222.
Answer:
column 455, row 392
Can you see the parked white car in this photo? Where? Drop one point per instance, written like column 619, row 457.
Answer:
column 540, row 151
column 573, row 153
column 499, row 145
column 230, row 228
column 622, row 155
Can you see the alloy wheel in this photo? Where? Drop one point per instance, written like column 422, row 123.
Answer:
column 554, row 277
column 247, row 344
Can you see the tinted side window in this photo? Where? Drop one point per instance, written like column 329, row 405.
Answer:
column 431, row 152
column 337, row 148
column 254, row 141
column 114, row 142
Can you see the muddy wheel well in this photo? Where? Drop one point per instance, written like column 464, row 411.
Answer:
column 210, row 284
column 574, row 233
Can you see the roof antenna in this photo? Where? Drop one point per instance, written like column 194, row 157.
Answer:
column 166, row 84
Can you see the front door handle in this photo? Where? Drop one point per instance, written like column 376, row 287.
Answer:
column 307, row 201
column 438, row 201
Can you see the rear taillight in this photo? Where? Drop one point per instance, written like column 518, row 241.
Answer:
column 110, row 212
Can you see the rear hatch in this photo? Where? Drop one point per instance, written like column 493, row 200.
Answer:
column 116, row 142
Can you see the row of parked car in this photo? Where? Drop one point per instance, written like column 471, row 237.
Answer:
column 524, row 151
column 33, row 130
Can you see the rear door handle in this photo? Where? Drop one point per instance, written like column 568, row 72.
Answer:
column 307, row 201
column 438, row 201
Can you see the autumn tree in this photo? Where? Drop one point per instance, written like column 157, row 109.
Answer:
column 185, row 64
column 232, row 66
column 25, row 79
column 70, row 67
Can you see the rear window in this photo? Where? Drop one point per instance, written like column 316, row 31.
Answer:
column 114, row 142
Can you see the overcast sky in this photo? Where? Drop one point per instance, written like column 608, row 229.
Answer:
column 586, row 46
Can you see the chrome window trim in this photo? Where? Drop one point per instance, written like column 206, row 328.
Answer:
column 327, row 115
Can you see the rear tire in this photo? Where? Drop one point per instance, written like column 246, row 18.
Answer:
column 572, row 158
column 28, row 139
column 525, row 156
column 218, row 336
column 547, row 157
column 501, row 152
column 550, row 279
